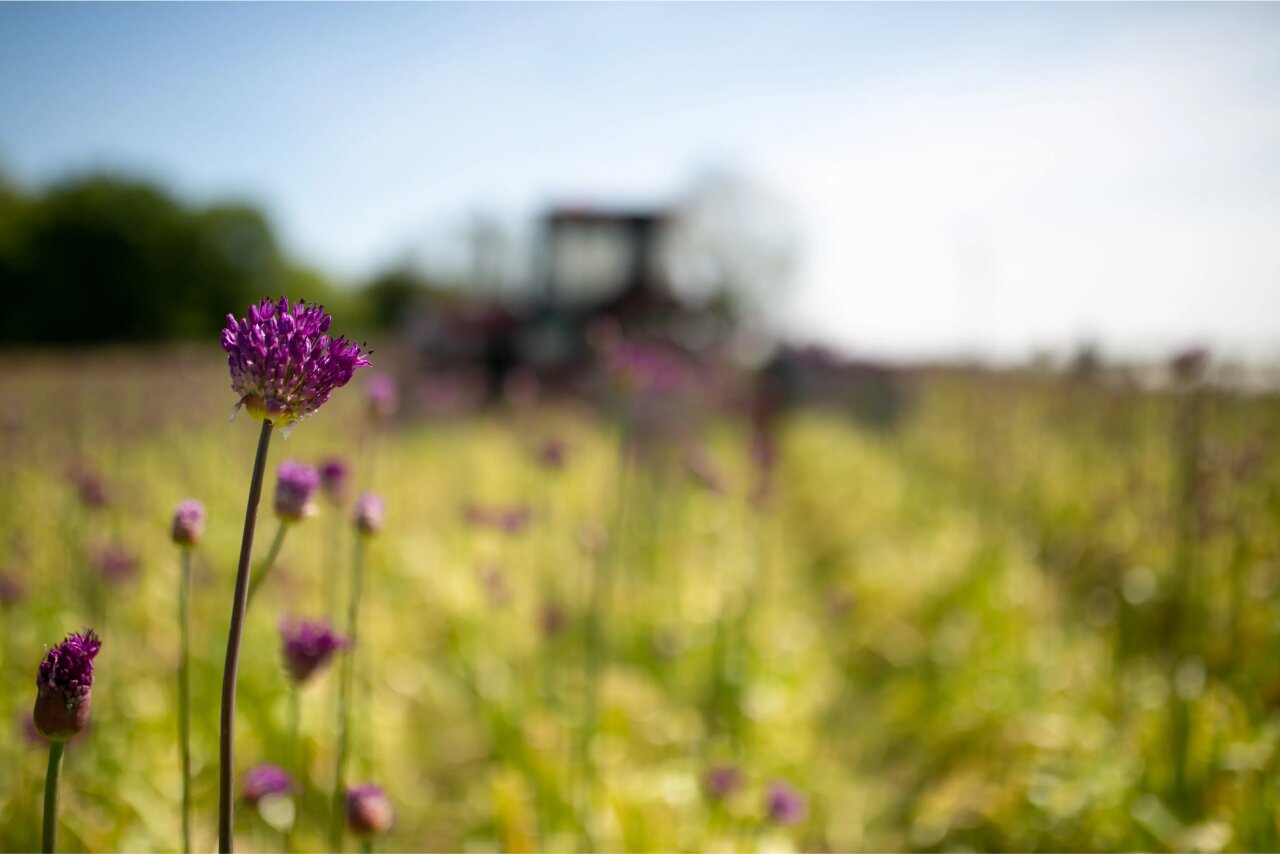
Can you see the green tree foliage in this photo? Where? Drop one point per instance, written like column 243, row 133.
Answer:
column 106, row 258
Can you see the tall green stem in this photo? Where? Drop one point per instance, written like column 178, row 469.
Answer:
column 240, row 601
column 184, row 691
column 272, row 553
column 337, row 817
column 50, row 839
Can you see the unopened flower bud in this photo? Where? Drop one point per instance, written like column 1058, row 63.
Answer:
column 188, row 523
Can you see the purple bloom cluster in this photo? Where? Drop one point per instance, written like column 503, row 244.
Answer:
column 296, row 487
column 722, row 781
column 369, row 810
column 551, row 454
column 63, row 682
column 308, row 646
column 116, row 563
column 283, row 363
column 90, row 487
column 263, row 780
column 335, row 479
column 370, row 513
column 382, row 395
column 188, row 523
column 784, row 805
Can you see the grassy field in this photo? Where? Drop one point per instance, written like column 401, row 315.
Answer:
column 1039, row 614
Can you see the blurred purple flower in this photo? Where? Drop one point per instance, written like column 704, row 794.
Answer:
column 552, row 619
column 551, row 454
column 188, row 523
column 308, row 646
column 784, row 805
column 510, row 520
column 116, row 563
column 296, row 487
column 369, row 810
column 263, row 780
column 722, row 781
column 382, row 395
column 282, row 361
column 64, row 680
column 12, row 589
column 90, row 487
column 370, row 513
column 335, row 479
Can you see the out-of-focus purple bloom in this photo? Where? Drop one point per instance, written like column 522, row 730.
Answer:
column 647, row 369
column 784, row 805
column 495, row 586
column 335, row 479
column 296, row 487
column 116, row 563
column 12, row 590
column 369, row 514
column 369, row 810
column 283, row 363
column 722, row 781
column 551, row 454
column 382, row 395
column 552, row 619
column 188, row 523
column 263, row 780
column 308, row 645
column 64, row 680
column 510, row 520
column 90, row 487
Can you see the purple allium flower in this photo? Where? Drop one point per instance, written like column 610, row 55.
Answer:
column 296, row 487
column 64, row 680
column 722, row 781
column 116, row 563
column 369, row 810
column 12, row 590
column 784, row 805
column 370, row 512
column 283, row 363
column 335, row 479
column 308, row 646
column 91, row 488
column 263, row 780
column 188, row 523
column 551, row 454
column 382, row 396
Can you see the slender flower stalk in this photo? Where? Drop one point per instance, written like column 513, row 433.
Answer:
column 284, row 366
column 368, row 519
column 63, row 681
column 188, row 529
column 295, row 500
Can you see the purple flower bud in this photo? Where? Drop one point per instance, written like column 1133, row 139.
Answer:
column 382, row 395
column 308, row 646
column 116, row 563
column 296, row 486
column 282, row 361
column 188, row 523
column 369, row 514
column 63, row 681
column 263, row 780
column 369, row 811
column 784, row 805
column 722, row 781
column 335, row 479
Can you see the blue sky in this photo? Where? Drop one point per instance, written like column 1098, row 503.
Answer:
column 964, row 177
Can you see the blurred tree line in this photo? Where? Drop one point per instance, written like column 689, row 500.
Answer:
column 103, row 258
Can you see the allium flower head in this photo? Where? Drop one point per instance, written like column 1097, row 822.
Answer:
column 188, row 523
column 64, row 680
column 90, row 487
column 369, row 810
column 116, row 563
column 308, row 646
column 784, row 805
column 722, row 781
column 370, row 513
column 296, row 487
column 382, row 396
column 283, row 363
column 263, row 780
column 335, row 479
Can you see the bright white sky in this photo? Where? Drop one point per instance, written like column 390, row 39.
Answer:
column 967, row 178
